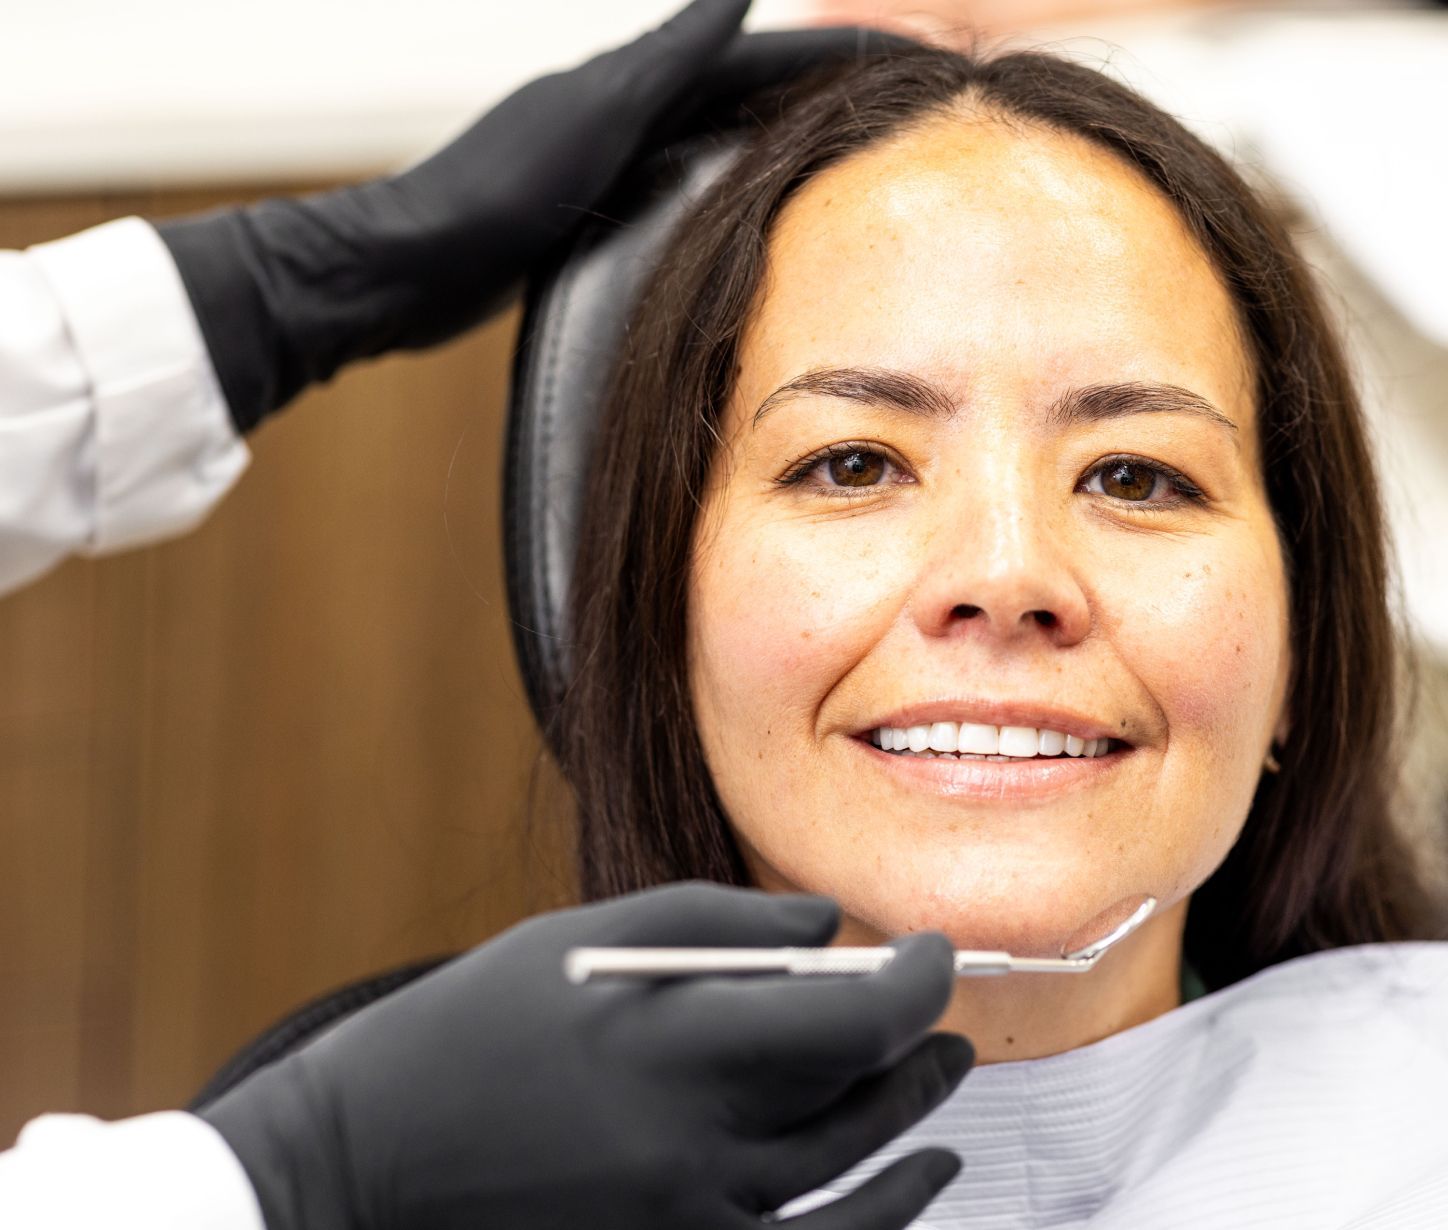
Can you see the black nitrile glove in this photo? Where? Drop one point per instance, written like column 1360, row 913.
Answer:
column 493, row 1094
column 287, row 291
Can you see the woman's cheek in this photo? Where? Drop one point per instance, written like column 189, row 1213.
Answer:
column 788, row 603
column 1206, row 636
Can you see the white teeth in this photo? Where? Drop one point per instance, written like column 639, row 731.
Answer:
column 974, row 739
column 1053, row 743
column 982, row 740
column 944, row 737
column 1019, row 741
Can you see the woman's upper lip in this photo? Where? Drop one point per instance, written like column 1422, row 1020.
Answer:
column 1001, row 713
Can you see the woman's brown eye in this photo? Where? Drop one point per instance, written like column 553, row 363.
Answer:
column 1125, row 480
column 859, row 469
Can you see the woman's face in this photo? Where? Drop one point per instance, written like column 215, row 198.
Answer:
column 990, row 472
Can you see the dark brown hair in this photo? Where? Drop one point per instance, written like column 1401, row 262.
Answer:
column 1319, row 863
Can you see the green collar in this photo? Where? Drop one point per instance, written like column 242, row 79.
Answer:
column 1192, row 985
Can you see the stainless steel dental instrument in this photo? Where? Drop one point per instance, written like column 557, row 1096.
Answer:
column 583, row 964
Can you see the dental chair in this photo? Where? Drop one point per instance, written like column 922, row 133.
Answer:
column 575, row 317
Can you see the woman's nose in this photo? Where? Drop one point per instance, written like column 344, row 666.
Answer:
column 1003, row 571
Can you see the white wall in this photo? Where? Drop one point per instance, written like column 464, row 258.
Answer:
column 99, row 94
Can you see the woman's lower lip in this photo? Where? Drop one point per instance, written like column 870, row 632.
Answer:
column 997, row 780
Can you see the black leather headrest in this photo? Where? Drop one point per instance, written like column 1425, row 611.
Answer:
column 574, row 322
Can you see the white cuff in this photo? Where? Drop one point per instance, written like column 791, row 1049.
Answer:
column 167, row 1171
column 166, row 450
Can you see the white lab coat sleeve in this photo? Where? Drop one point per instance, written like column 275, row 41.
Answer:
column 165, row 1171
column 113, row 428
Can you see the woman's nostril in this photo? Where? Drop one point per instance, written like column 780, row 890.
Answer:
column 963, row 610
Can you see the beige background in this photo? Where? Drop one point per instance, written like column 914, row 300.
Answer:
column 279, row 754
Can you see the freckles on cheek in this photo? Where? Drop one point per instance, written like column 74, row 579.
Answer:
column 1207, row 646
column 784, row 602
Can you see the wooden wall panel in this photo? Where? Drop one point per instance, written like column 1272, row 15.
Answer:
column 283, row 752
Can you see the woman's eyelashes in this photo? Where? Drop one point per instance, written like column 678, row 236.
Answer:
column 1133, row 480
column 849, row 469
column 852, row 469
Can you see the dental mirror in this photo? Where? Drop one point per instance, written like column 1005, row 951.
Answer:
column 1080, row 953
column 1107, row 928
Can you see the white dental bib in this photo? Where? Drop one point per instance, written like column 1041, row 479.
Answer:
column 1313, row 1094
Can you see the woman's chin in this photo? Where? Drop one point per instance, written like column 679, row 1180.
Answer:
column 1036, row 925
column 1026, row 915
column 1035, row 902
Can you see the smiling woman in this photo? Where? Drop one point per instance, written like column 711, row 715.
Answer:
column 1041, row 540
column 991, row 537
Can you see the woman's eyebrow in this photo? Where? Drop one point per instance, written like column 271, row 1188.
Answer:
column 874, row 386
column 1108, row 401
column 877, row 386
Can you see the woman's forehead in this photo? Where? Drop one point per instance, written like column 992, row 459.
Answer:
column 995, row 257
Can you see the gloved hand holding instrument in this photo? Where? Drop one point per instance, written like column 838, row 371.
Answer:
column 289, row 290
column 495, row 1093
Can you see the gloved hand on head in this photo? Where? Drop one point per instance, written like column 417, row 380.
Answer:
column 493, row 1092
column 289, row 290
